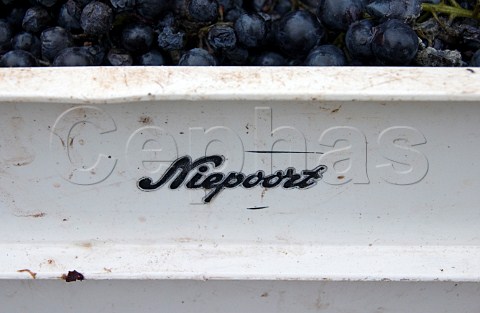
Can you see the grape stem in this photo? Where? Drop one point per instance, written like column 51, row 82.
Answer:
column 454, row 10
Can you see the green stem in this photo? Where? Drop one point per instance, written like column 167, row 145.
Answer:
column 447, row 9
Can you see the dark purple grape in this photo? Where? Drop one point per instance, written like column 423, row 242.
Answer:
column 68, row 19
column 326, row 55
column 137, row 38
column 269, row 59
column 15, row 17
column 97, row 18
column 119, row 57
column 282, row 7
column 82, row 3
column 167, row 20
column 394, row 43
column 151, row 58
column 358, row 40
column 74, row 56
column 197, row 57
column 18, row 58
column 54, row 40
column 235, row 56
column 27, row 42
column 251, row 30
column 97, row 53
column 394, row 9
column 221, row 37
column 339, row 14
column 170, row 40
column 36, row 19
column 203, row 11
column 262, row 5
column 5, row 35
column 47, row 3
column 233, row 14
column 152, row 9
column 226, row 5
column 123, row 4
column 298, row 32
column 74, row 9
column 475, row 61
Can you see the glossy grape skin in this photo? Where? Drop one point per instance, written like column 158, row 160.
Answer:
column 47, row 3
column 270, row 59
column 394, row 9
column 152, row 9
column 36, row 19
column 97, row 53
column 236, row 56
column 297, row 33
column 250, row 30
column 123, row 4
column 326, row 55
column 54, row 40
column 151, row 58
column 233, row 14
column 339, row 14
column 18, row 58
column 137, row 38
column 197, row 57
column 5, row 35
column 15, row 17
column 73, row 56
column 358, row 39
column 27, row 42
column 394, row 43
column 68, row 20
column 475, row 61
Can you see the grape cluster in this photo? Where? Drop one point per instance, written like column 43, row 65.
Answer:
column 239, row 32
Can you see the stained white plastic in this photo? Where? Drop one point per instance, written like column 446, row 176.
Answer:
column 398, row 200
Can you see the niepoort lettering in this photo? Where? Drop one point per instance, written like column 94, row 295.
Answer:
column 199, row 174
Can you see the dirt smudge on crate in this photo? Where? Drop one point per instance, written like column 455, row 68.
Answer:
column 20, row 151
column 263, row 193
column 184, row 239
column 264, row 295
column 319, row 304
column 34, row 215
column 21, row 161
column 33, row 274
column 87, row 245
column 336, row 110
column 145, row 120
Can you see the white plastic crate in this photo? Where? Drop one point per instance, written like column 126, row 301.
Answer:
column 317, row 175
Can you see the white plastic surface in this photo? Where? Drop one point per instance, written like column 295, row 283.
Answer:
column 399, row 200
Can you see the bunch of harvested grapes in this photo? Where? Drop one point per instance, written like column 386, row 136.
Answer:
column 239, row 32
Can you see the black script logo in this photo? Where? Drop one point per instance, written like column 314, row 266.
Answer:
column 204, row 177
